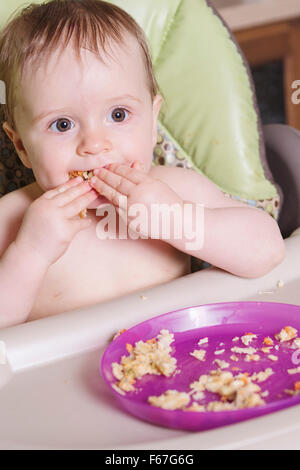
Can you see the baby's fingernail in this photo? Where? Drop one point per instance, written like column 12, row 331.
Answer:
column 96, row 171
column 93, row 180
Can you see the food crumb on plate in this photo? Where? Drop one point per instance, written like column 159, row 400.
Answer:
column 149, row 357
column 287, row 333
column 199, row 354
column 170, row 400
column 203, row 341
column 221, row 364
column 247, row 338
column 272, row 357
column 268, row 341
column 219, row 351
column 238, row 350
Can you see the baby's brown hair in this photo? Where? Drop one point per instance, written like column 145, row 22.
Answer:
column 39, row 29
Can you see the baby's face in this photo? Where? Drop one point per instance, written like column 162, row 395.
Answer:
column 76, row 115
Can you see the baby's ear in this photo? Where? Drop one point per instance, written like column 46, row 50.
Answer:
column 155, row 107
column 18, row 144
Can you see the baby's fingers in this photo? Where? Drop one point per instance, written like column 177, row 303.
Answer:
column 62, row 188
column 80, row 203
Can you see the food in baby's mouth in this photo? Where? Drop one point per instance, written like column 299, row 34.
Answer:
column 86, row 175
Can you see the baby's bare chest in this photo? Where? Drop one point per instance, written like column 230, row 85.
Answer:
column 94, row 270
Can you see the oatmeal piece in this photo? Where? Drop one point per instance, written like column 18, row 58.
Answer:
column 221, row 364
column 149, row 357
column 268, row 341
column 296, row 343
column 119, row 333
column 252, row 357
column 199, row 354
column 243, row 350
column 262, row 375
column 272, row 357
column 248, row 396
column 247, row 338
column 236, row 338
column 117, row 389
column 223, row 383
column 296, row 390
column 202, row 341
column 199, row 385
column 220, row 351
column 220, row 406
column 195, row 407
column 170, row 400
column 198, row 395
column 287, row 333
column 292, row 392
column 233, row 357
column 86, row 175
column 266, row 350
column 236, row 392
column 294, row 371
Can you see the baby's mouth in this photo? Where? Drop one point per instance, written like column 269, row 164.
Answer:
column 86, row 175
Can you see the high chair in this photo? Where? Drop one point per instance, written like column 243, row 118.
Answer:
column 210, row 123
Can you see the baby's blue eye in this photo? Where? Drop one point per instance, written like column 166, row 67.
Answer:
column 61, row 125
column 119, row 115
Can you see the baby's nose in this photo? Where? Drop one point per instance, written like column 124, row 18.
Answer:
column 94, row 142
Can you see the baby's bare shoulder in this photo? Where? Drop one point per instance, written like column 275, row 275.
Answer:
column 13, row 206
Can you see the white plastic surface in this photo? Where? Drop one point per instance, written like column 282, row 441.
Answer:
column 53, row 397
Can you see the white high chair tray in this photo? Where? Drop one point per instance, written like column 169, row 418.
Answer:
column 53, row 397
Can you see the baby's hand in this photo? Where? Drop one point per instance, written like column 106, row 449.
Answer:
column 135, row 186
column 52, row 220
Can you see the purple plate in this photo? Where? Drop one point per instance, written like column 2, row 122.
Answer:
column 220, row 322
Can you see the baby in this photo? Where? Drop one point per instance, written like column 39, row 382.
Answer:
column 81, row 97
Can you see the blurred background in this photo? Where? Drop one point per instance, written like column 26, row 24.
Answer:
column 268, row 32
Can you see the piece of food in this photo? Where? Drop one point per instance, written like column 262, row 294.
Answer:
column 170, row 400
column 268, row 341
column 86, row 175
column 247, row 338
column 236, row 392
column 286, row 334
column 199, row 354
column 202, row 341
column 149, row 357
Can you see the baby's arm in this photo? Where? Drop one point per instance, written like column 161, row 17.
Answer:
column 21, row 275
column 48, row 226
column 238, row 238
